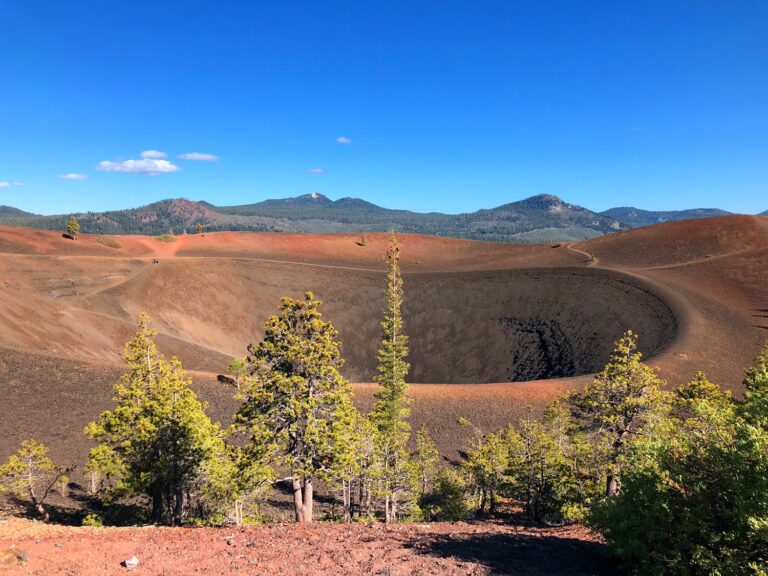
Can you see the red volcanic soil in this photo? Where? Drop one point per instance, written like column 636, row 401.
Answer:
column 714, row 273
column 680, row 243
column 461, row 548
column 418, row 252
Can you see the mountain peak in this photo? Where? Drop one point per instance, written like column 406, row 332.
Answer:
column 538, row 202
column 547, row 198
column 314, row 198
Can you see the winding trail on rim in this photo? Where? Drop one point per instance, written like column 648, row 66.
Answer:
column 593, row 260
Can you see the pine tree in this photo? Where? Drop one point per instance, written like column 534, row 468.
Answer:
column 73, row 227
column 238, row 369
column 30, row 473
column 447, row 501
column 391, row 411
column 425, row 458
column 487, row 464
column 367, row 468
column 754, row 408
column 539, row 470
column 296, row 400
column 616, row 406
column 158, row 439
column 353, row 469
column 231, row 484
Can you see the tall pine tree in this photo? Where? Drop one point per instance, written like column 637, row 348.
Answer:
column 391, row 411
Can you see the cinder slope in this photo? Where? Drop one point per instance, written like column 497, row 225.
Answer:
column 515, row 323
column 714, row 274
column 680, row 243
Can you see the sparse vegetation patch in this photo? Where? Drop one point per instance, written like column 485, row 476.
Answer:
column 109, row 242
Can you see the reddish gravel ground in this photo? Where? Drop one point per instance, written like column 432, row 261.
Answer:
column 461, row 548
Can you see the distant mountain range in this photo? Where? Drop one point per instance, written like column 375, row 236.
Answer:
column 536, row 219
column 9, row 212
column 541, row 218
column 634, row 217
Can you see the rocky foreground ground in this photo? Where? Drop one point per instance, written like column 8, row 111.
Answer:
column 476, row 548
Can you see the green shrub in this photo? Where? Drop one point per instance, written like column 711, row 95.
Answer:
column 167, row 237
column 694, row 497
column 93, row 520
column 448, row 499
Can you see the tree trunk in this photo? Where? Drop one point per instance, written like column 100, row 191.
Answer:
column 178, row 508
column 394, row 506
column 611, row 485
column 95, row 478
column 492, row 505
column 387, row 513
column 38, row 505
column 298, row 504
column 42, row 511
column 308, row 500
column 157, row 503
column 238, row 512
column 347, row 497
column 356, row 498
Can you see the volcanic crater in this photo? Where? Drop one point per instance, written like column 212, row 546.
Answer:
column 464, row 327
column 513, row 325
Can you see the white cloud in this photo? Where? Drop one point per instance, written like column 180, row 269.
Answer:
column 73, row 176
column 5, row 184
column 146, row 166
column 316, row 171
column 19, row 183
column 199, row 156
column 344, row 140
column 153, row 154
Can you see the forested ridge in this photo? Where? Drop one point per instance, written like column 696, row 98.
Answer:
column 539, row 218
column 636, row 217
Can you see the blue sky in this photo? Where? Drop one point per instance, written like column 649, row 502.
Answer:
column 448, row 105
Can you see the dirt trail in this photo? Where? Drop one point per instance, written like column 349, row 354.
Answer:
column 733, row 254
column 592, row 260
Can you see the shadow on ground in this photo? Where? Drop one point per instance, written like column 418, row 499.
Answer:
column 524, row 554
